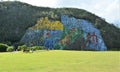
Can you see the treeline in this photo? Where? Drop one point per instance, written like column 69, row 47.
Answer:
column 17, row 17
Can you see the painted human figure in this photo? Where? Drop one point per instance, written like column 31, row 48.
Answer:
column 88, row 37
column 83, row 40
column 48, row 34
column 94, row 39
column 83, row 44
column 32, row 43
column 73, row 30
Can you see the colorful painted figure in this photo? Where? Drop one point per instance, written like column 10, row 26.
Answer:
column 94, row 39
column 88, row 37
column 83, row 44
column 48, row 35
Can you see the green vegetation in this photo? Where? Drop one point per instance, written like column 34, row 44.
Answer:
column 3, row 47
column 23, row 47
column 33, row 48
column 37, row 48
column 17, row 17
column 60, row 61
column 10, row 49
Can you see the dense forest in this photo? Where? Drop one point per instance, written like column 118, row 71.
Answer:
column 17, row 17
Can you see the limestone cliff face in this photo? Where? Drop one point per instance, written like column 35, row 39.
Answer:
column 78, row 34
column 41, row 38
column 32, row 37
column 92, row 41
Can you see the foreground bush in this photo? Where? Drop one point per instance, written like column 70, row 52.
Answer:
column 34, row 48
column 3, row 47
column 57, row 47
column 37, row 48
column 10, row 49
column 23, row 47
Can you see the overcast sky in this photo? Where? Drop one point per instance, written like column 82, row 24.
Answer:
column 107, row 9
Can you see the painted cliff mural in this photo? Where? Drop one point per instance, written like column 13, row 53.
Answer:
column 69, row 33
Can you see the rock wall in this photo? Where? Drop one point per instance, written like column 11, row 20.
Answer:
column 45, row 38
column 32, row 37
column 94, row 41
column 78, row 34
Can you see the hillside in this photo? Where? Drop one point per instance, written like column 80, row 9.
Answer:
column 17, row 17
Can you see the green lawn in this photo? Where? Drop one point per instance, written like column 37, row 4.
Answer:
column 60, row 61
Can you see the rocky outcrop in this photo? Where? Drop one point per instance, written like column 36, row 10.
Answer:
column 91, row 35
column 41, row 38
column 78, row 34
column 32, row 37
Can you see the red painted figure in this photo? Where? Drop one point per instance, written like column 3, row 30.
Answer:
column 88, row 38
column 94, row 39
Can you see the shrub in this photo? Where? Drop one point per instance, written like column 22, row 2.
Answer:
column 41, row 48
column 37, row 48
column 23, row 47
column 57, row 47
column 19, row 48
column 16, row 44
column 10, row 49
column 3, row 47
column 33, row 48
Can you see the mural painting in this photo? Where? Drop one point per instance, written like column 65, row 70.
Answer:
column 69, row 33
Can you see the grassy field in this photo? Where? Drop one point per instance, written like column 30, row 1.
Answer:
column 60, row 61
